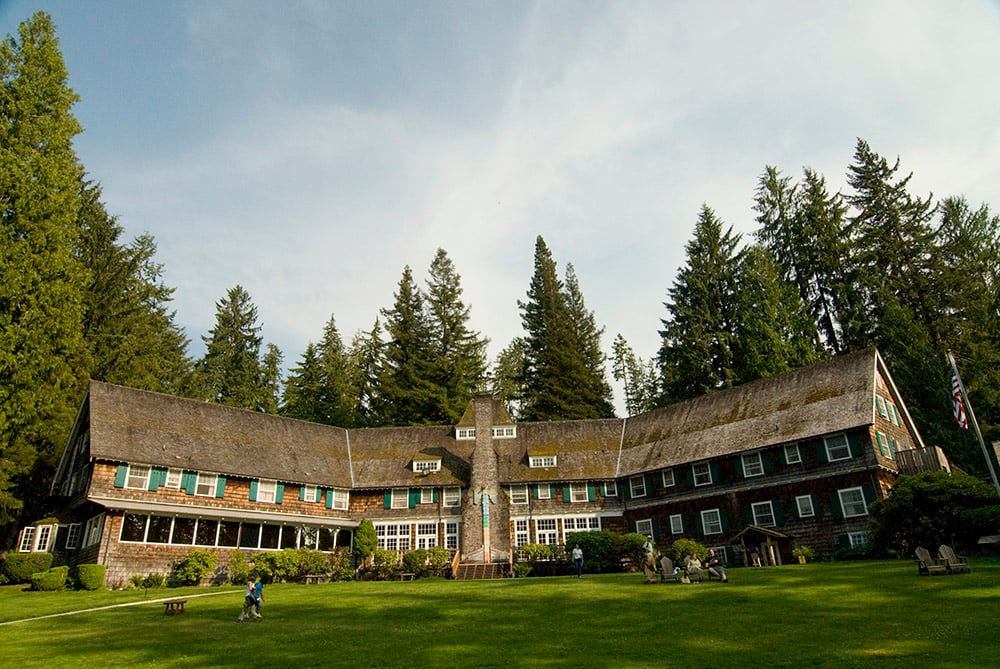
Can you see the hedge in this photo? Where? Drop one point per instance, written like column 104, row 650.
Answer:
column 52, row 579
column 18, row 567
column 90, row 576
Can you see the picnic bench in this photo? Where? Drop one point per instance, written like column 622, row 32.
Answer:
column 315, row 578
column 405, row 576
column 174, row 607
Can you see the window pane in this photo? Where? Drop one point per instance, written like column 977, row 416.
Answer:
column 269, row 536
column 229, row 533
column 206, row 532
column 326, row 540
column 134, row 527
column 249, row 535
column 183, row 531
column 289, row 537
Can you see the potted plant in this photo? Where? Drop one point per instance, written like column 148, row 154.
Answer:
column 803, row 553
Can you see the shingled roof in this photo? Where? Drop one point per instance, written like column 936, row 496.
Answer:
column 829, row 397
column 128, row 425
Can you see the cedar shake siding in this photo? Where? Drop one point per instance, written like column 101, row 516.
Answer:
column 793, row 459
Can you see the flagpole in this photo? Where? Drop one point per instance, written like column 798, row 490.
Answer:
column 972, row 419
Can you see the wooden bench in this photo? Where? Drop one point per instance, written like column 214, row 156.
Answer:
column 405, row 576
column 174, row 607
column 315, row 578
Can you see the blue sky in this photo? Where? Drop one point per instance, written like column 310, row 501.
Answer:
column 309, row 150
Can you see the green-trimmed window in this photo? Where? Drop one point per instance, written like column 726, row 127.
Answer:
column 852, row 501
column 792, row 454
column 837, row 447
column 637, row 487
column 805, row 506
column 702, row 473
column 763, row 514
column 667, row 475
column 711, row 521
column 676, row 524
column 752, row 464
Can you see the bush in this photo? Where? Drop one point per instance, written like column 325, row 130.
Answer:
column 18, row 567
column 51, row 579
column 601, row 551
column 415, row 562
column 239, row 570
column 979, row 522
column 521, row 569
column 312, row 561
column 340, row 565
column 90, row 576
column 275, row 567
column 682, row 548
column 365, row 540
column 629, row 546
column 194, row 566
column 439, row 559
column 384, row 564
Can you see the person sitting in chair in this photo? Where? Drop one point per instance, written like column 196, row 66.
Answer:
column 715, row 566
column 693, row 566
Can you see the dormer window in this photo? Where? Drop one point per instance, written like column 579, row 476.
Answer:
column 465, row 433
column 541, row 461
column 426, row 466
column 504, row 432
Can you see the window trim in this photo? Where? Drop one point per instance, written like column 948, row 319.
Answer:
column 644, row 527
column 542, row 461
column 519, row 494
column 705, row 524
column 861, row 498
column 574, row 493
column 399, row 498
column 266, row 488
column 338, row 495
column 426, row 466
column 451, row 496
column 131, row 473
column 676, row 523
column 202, row 480
column 757, row 463
column 798, row 506
column 611, row 488
column 798, row 454
column 668, row 481
column 846, row 446
column 769, row 511
column 695, row 474
column 637, row 491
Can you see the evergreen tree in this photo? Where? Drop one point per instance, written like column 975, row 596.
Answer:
column 366, row 355
column 231, row 372
column 406, row 383
column 271, row 379
column 638, row 377
column 507, row 374
column 459, row 365
column 43, row 361
column 562, row 377
column 132, row 336
column 697, row 352
column 322, row 388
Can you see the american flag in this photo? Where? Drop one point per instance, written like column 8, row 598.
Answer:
column 956, row 399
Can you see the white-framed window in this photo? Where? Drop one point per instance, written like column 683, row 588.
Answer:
column 73, row 536
column 668, row 478
column 880, row 405
column 137, row 477
column 544, row 491
column 521, row 533
column 804, row 504
column 452, row 496
column 578, row 492
column 504, row 432
column 753, row 465
column 676, row 524
column 427, row 535
column 852, row 501
column 611, row 489
column 310, row 493
column 451, row 536
column 792, row 454
column 519, row 494
column 546, row 531
column 427, row 495
column 702, row 473
column 542, row 461
column 93, row 529
column 856, row 539
column 399, row 498
column 894, row 415
column 637, row 487
column 591, row 524
column 173, row 479
column 27, row 542
column 837, row 447
column 393, row 537
column 341, row 499
column 711, row 521
column 43, row 538
column 465, row 433
column 644, row 527
column 267, row 491
column 206, row 484
column 886, row 448
column 426, row 466
column 763, row 514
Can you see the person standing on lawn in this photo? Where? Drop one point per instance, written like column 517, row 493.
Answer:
column 258, row 595
column 649, row 559
column 249, row 603
column 578, row 560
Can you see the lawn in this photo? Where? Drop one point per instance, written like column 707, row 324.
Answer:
column 855, row 614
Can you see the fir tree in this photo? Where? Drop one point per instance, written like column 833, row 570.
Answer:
column 322, row 388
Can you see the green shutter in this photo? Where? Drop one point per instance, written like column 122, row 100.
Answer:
column 821, row 451
column 854, row 443
column 724, row 519
column 552, row 491
column 779, row 513
column 565, row 489
column 279, row 493
column 697, row 523
column 434, row 495
column 189, row 481
column 689, row 475
column 739, row 467
column 869, row 492
column 121, row 474
column 302, row 493
column 254, row 484
column 817, row 509
column 534, row 491
column 844, row 540
column 748, row 514
column 714, row 468
column 414, row 498
column 591, row 492
column 767, row 461
column 157, row 475
column 329, row 498
column 656, row 529
column 220, row 486
column 835, row 508
column 632, row 527
column 388, row 499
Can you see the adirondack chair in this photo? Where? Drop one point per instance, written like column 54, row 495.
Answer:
column 954, row 563
column 667, row 571
column 926, row 566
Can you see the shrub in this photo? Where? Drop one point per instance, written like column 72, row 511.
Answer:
column 311, row 561
column 415, row 562
column 51, row 579
column 629, row 547
column 274, row 567
column 601, row 551
column 682, row 548
column 194, row 566
column 340, row 565
column 384, row 564
column 90, row 576
column 521, row 569
column 239, row 570
column 154, row 581
column 438, row 558
column 978, row 522
column 365, row 540
column 18, row 567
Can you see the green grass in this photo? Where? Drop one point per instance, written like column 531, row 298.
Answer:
column 856, row 614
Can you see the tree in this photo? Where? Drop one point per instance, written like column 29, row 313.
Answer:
column 321, row 389
column 558, row 379
column 593, row 391
column 132, row 337
column 459, row 364
column 638, row 377
column 365, row 540
column 366, row 358
column 406, row 382
column 926, row 510
column 696, row 356
column 505, row 381
column 43, row 360
column 231, row 372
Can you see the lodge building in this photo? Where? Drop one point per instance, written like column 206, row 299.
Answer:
column 790, row 460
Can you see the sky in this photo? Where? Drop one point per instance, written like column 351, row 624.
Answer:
column 310, row 150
